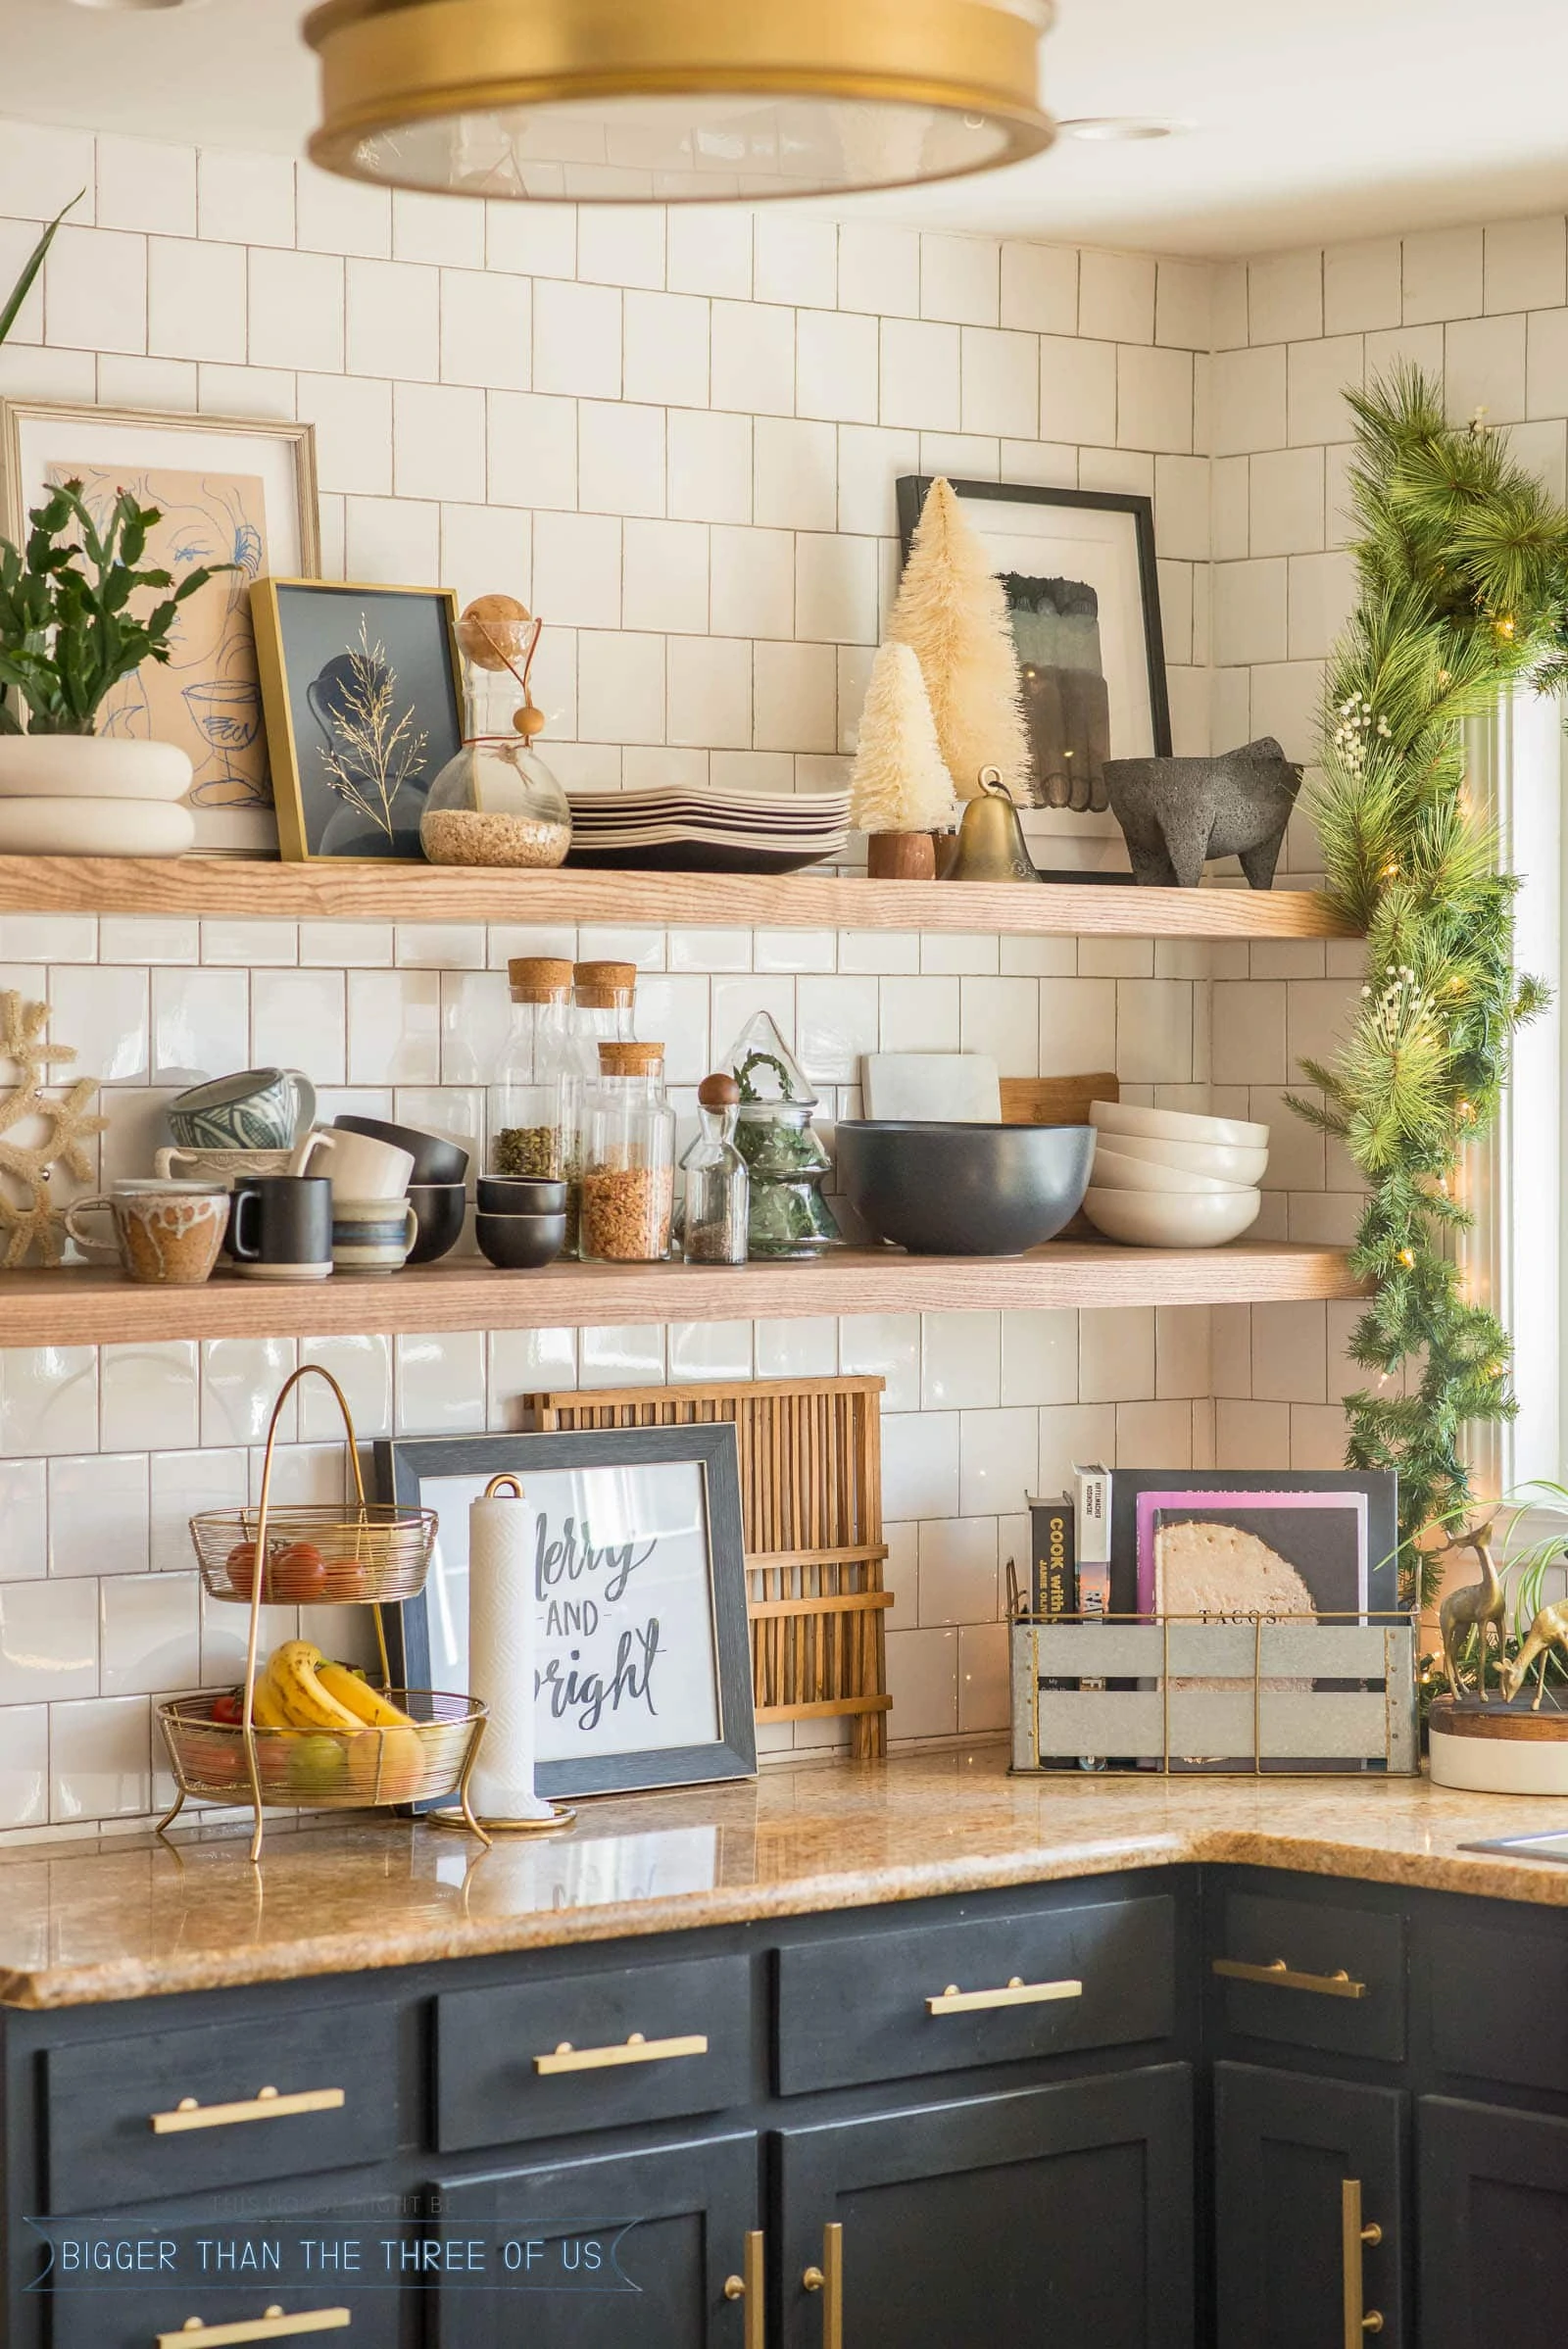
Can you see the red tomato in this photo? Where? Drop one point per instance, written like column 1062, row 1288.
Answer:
column 296, row 1573
column 240, row 1566
column 229, row 1707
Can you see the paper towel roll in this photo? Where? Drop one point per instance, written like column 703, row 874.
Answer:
column 502, row 1640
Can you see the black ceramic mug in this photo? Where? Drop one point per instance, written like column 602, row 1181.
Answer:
column 280, row 1228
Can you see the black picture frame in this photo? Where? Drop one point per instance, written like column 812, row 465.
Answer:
column 406, row 1465
column 323, row 650
column 912, row 490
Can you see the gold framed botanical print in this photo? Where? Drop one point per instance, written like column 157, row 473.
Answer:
column 228, row 490
column 362, row 694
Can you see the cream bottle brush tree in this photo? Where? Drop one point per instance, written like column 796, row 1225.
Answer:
column 899, row 782
column 952, row 613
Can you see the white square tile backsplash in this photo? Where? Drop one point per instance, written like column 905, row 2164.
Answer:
column 652, row 429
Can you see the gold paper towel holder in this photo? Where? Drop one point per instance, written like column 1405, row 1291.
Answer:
column 560, row 1815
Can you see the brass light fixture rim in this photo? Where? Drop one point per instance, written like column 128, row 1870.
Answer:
column 389, row 65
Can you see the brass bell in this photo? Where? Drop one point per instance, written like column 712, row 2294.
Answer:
column 990, row 845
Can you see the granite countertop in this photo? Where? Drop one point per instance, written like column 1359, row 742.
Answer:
column 125, row 1918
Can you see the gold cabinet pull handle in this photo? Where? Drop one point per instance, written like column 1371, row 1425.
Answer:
column 265, row 2105
column 748, row 2286
column 1017, row 1992
column 828, row 2279
column 1281, row 1976
column 273, row 2325
column 1359, row 2320
column 636, row 2050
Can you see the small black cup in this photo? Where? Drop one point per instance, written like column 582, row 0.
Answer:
column 280, row 1228
column 438, row 1210
column 435, row 1159
column 520, row 1242
column 521, row 1195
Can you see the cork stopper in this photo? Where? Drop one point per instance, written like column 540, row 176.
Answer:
column 630, row 1059
column 719, row 1092
column 538, row 978
column 603, row 985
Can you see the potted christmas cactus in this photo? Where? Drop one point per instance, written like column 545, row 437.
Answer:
column 78, row 613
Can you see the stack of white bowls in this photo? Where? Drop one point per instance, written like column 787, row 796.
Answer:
column 1163, row 1178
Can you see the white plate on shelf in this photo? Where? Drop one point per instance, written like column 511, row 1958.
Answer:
column 1222, row 1160
column 1112, row 1172
column 1177, row 1125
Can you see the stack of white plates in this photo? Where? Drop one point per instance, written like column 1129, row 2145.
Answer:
column 1163, row 1178
column 701, row 828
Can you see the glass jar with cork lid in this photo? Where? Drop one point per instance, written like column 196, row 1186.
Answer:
column 629, row 1166
column 527, row 1095
column 600, row 1011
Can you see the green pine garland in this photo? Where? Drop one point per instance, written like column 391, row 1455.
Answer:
column 1462, row 564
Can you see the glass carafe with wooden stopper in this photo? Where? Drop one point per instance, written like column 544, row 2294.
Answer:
column 497, row 802
column 527, row 1095
column 718, row 1187
column 628, row 1172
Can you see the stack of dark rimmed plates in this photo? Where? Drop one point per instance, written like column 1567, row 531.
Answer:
column 699, row 828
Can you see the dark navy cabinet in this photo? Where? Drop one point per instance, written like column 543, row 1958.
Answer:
column 1171, row 2109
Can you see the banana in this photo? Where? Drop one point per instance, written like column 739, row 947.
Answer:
column 292, row 1676
column 266, row 1708
column 368, row 1704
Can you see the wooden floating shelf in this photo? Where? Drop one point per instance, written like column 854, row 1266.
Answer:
column 332, row 891
column 90, row 1307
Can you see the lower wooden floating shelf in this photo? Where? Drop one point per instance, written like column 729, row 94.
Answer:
column 90, row 1307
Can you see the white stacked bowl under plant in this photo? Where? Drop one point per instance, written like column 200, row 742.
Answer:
column 1167, row 1178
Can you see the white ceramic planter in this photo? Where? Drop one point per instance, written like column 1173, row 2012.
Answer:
column 1500, row 1765
column 90, row 766
column 81, row 827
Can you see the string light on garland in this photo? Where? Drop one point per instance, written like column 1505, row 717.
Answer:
column 1462, row 579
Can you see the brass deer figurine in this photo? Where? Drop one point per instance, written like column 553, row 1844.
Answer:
column 1548, row 1629
column 1479, row 1607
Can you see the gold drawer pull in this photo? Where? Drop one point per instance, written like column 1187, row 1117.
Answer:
column 265, row 2105
column 636, row 2050
column 1280, row 1977
column 273, row 2325
column 1359, row 2320
column 1018, row 1992
column 828, row 2279
column 748, row 2286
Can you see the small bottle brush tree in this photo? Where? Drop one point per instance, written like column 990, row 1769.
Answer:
column 898, row 784
column 953, row 615
column 67, row 633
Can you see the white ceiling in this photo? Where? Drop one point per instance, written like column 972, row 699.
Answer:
column 1332, row 119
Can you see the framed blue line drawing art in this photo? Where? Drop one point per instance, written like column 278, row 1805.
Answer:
column 644, row 1665
column 362, row 696
column 226, row 491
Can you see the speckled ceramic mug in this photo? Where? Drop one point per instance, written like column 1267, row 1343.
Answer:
column 166, row 1234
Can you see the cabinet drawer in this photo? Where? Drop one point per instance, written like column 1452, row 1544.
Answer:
column 556, row 2055
column 1497, row 1995
column 103, row 2099
column 124, row 2313
column 861, row 2009
column 1310, row 1944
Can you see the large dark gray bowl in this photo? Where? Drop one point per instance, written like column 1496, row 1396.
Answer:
column 963, row 1190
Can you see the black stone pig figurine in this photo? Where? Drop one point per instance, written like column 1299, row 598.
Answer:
column 1178, row 812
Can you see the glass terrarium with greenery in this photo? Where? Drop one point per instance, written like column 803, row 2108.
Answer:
column 786, row 1159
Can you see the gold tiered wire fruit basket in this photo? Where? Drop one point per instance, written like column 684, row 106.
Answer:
column 415, row 1745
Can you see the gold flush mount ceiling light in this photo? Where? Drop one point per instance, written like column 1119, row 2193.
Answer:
column 675, row 101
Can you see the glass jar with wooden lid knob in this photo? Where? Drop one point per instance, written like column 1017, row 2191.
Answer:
column 497, row 802
column 528, row 1094
column 600, row 1011
column 628, row 1173
column 718, row 1187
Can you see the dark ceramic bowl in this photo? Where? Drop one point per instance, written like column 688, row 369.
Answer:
column 438, row 1210
column 520, row 1242
column 962, row 1190
column 520, row 1195
column 435, row 1159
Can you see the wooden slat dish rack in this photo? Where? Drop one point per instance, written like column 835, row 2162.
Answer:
column 810, row 1474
